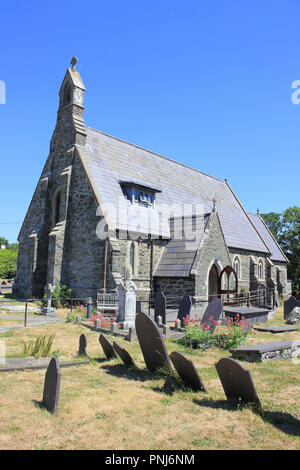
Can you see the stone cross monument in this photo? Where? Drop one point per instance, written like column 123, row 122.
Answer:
column 49, row 311
column 127, row 299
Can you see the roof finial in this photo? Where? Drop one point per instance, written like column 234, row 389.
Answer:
column 214, row 204
column 73, row 63
column 257, row 212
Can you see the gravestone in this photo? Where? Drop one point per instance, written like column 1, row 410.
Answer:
column 107, row 347
column 49, row 310
column 289, row 305
column 184, row 310
column 52, row 385
column 123, row 355
column 275, row 350
column 187, row 371
column 127, row 298
column 151, row 343
column 293, row 317
column 237, row 382
column 82, row 345
column 276, row 329
column 160, row 307
column 214, row 311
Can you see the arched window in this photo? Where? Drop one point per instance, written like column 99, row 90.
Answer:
column 261, row 269
column 67, row 94
column 55, row 207
column 237, row 267
column 131, row 256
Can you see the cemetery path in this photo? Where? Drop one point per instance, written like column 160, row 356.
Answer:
column 30, row 322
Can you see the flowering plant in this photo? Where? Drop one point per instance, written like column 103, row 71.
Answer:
column 204, row 336
column 105, row 321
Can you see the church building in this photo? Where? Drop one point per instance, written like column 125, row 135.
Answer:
column 102, row 203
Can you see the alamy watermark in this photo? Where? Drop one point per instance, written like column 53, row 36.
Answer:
column 133, row 221
column 296, row 95
column 2, row 92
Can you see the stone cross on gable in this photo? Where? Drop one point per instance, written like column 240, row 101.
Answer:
column 73, row 63
column 214, row 204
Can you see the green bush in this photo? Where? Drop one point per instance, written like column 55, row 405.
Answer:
column 8, row 263
column 60, row 297
column 202, row 337
column 197, row 338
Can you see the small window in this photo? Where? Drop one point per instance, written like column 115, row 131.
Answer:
column 56, row 208
column 237, row 267
column 67, row 94
column 261, row 269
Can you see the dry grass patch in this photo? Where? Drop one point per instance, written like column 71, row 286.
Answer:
column 104, row 405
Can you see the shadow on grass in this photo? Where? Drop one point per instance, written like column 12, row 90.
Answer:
column 129, row 372
column 39, row 404
column 216, row 404
column 285, row 422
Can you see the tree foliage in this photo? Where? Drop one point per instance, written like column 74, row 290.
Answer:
column 8, row 259
column 285, row 227
column 8, row 263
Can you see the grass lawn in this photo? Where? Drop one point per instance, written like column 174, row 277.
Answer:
column 104, row 405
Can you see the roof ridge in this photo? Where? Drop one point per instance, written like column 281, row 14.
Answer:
column 157, row 154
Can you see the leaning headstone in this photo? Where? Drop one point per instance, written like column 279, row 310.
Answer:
column 82, row 345
column 187, row 371
column 184, row 310
column 151, row 343
column 107, row 347
column 123, row 355
column 289, row 305
column 237, row 382
column 212, row 313
column 52, row 385
column 160, row 307
column 293, row 317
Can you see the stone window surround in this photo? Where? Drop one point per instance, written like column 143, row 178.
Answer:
column 239, row 270
column 135, row 257
column 54, row 216
column 261, row 269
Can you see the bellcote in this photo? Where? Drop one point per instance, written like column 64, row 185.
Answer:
column 70, row 129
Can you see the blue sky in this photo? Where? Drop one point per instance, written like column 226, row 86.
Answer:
column 207, row 83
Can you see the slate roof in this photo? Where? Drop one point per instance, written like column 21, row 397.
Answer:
column 179, row 254
column 277, row 253
column 108, row 160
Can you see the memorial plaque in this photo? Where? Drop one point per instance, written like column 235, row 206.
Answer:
column 237, row 382
column 187, row 371
column 160, row 307
column 151, row 343
column 123, row 354
column 184, row 310
column 82, row 345
column 213, row 311
column 107, row 347
column 51, row 386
